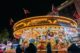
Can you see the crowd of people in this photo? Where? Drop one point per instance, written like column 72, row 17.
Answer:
column 59, row 44
column 30, row 47
column 52, row 42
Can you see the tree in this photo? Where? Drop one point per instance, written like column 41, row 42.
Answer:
column 4, row 35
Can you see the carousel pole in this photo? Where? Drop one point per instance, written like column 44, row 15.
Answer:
column 54, row 11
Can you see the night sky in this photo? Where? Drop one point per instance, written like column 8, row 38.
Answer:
column 14, row 9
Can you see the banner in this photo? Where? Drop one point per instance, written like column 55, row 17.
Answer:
column 26, row 12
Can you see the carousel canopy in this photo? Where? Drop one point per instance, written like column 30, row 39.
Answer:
column 41, row 22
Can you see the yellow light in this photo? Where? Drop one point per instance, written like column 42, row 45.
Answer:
column 54, row 21
column 41, row 17
column 38, row 20
column 63, row 21
column 21, row 24
column 50, row 21
column 31, row 23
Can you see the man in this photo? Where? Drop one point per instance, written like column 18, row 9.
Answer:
column 75, row 47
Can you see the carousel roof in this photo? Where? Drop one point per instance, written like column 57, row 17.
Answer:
column 57, row 22
column 43, row 20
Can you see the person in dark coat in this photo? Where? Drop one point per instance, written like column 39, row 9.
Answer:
column 74, row 49
column 18, row 49
column 31, row 49
column 49, row 48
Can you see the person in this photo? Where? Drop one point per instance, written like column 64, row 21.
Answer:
column 31, row 49
column 18, row 49
column 75, row 47
column 9, row 44
column 49, row 48
column 25, row 46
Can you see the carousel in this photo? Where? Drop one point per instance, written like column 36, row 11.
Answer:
column 57, row 30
